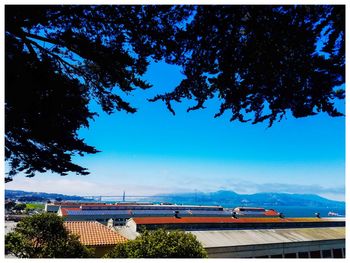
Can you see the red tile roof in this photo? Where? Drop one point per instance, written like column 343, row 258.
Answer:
column 72, row 203
column 93, row 233
column 217, row 220
column 271, row 212
column 102, row 205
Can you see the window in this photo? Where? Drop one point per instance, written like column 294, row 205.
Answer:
column 303, row 255
column 290, row 255
column 315, row 254
column 337, row 253
column 326, row 253
column 276, row 256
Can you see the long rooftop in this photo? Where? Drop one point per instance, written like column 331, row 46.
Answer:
column 227, row 238
column 198, row 220
column 143, row 212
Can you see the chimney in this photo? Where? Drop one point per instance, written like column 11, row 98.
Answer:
column 110, row 223
column 234, row 215
column 177, row 214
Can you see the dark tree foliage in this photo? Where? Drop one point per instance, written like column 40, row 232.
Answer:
column 10, row 205
column 19, row 207
column 44, row 236
column 261, row 61
column 58, row 58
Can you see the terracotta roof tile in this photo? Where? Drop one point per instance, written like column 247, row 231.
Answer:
column 93, row 233
column 271, row 213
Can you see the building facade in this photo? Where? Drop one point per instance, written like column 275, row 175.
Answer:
column 255, row 237
column 319, row 242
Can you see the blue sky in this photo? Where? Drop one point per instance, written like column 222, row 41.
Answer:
column 153, row 151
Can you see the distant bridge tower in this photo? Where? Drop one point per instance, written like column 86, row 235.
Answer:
column 123, row 196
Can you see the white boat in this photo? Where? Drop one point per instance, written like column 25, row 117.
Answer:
column 333, row 214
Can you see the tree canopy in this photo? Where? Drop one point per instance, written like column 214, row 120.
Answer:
column 44, row 236
column 58, row 59
column 10, row 205
column 263, row 60
column 160, row 244
column 260, row 61
column 20, row 207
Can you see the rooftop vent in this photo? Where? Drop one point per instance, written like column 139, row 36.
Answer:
column 234, row 215
column 110, row 223
column 177, row 214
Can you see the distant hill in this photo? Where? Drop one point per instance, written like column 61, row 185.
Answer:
column 222, row 197
column 39, row 196
column 230, row 198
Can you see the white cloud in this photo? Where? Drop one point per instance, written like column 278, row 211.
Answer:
column 81, row 186
column 247, row 187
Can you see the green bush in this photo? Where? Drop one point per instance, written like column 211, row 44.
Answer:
column 160, row 244
column 35, row 206
column 44, row 236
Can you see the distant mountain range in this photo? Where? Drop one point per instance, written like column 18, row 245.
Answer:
column 39, row 196
column 230, row 199
column 222, row 197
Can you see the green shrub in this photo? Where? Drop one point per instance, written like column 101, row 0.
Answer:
column 160, row 244
column 44, row 236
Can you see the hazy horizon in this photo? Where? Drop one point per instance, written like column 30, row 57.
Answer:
column 163, row 193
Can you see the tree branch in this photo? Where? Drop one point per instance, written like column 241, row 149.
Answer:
column 41, row 38
column 64, row 62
